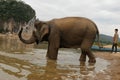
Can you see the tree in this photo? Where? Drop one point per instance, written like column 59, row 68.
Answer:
column 17, row 10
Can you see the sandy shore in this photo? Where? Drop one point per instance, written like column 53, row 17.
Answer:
column 113, row 70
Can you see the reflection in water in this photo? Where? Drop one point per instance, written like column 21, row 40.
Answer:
column 16, row 67
column 11, row 43
column 30, row 66
column 52, row 71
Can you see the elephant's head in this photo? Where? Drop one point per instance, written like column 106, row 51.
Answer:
column 40, row 32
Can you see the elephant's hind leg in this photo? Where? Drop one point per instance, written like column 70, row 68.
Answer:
column 86, row 46
column 87, row 52
column 91, row 56
column 83, row 56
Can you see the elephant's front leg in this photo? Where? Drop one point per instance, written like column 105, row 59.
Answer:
column 53, row 43
column 53, row 46
column 52, row 52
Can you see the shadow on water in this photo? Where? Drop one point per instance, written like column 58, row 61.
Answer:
column 33, row 65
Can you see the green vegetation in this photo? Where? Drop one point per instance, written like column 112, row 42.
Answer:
column 18, row 10
column 15, row 10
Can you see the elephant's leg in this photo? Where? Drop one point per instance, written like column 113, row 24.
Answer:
column 53, row 46
column 86, row 45
column 91, row 56
column 83, row 56
column 87, row 52
column 52, row 52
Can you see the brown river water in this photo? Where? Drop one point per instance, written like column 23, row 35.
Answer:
column 19, row 61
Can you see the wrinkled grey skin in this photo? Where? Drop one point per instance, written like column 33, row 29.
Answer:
column 69, row 32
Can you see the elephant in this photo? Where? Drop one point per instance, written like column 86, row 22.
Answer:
column 67, row 32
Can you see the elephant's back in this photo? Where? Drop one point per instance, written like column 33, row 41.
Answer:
column 71, row 20
column 74, row 23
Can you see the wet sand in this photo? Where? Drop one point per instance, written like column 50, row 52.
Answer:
column 113, row 70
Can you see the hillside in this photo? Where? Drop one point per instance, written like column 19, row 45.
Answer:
column 105, row 38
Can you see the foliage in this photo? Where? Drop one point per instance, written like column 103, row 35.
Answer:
column 15, row 9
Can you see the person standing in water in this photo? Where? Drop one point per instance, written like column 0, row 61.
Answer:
column 115, row 41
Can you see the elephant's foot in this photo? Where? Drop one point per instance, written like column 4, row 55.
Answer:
column 82, row 58
column 48, row 58
column 91, row 57
column 52, row 57
column 92, row 61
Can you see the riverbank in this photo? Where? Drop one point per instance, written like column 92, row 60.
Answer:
column 113, row 70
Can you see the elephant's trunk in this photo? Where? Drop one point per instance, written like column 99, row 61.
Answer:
column 30, row 41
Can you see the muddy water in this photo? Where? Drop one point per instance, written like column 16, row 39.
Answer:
column 24, row 62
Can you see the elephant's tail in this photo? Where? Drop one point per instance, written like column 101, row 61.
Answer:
column 98, row 39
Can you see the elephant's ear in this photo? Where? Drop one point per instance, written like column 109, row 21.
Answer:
column 44, row 30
